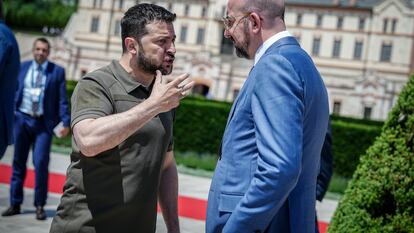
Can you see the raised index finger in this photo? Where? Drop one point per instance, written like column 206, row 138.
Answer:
column 179, row 79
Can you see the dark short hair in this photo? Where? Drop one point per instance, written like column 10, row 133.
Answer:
column 43, row 40
column 134, row 22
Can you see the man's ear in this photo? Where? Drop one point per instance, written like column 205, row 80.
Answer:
column 130, row 45
column 256, row 22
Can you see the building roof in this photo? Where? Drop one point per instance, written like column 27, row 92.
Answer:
column 361, row 4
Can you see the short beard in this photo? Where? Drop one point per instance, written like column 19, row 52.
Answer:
column 147, row 64
column 241, row 51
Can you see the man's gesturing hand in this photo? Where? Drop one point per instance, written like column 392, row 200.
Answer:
column 168, row 95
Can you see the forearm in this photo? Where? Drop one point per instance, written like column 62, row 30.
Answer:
column 97, row 135
column 168, row 195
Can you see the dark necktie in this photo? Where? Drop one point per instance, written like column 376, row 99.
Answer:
column 37, row 84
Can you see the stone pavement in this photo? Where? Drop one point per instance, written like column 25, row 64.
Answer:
column 193, row 193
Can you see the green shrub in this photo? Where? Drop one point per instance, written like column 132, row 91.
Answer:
column 70, row 87
column 350, row 140
column 380, row 196
column 199, row 125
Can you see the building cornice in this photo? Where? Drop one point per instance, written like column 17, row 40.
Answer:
column 362, row 33
column 329, row 8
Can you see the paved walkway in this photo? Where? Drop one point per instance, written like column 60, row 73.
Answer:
column 193, row 193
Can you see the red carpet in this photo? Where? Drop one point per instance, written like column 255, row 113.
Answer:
column 187, row 206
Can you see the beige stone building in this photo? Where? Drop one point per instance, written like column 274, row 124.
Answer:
column 363, row 49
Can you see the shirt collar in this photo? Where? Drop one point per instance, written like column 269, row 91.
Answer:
column 126, row 79
column 269, row 42
column 43, row 65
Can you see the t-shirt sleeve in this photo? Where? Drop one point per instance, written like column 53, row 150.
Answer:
column 90, row 100
column 171, row 144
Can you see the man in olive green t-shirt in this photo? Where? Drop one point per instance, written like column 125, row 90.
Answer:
column 122, row 160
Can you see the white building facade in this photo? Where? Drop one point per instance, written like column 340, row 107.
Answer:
column 363, row 49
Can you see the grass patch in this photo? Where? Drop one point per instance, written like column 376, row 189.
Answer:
column 194, row 172
column 196, row 160
column 333, row 196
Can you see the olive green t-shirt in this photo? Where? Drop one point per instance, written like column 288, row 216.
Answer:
column 115, row 191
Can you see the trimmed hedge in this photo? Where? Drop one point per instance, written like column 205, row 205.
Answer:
column 335, row 117
column 200, row 124
column 380, row 197
column 350, row 140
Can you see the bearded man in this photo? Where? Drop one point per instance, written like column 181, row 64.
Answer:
column 265, row 179
column 122, row 119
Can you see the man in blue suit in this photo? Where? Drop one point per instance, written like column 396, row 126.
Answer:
column 265, row 179
column 9, row 68
column 41, row 105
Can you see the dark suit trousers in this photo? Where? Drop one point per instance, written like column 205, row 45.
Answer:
column 29, row 131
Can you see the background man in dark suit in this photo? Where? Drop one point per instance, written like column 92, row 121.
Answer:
column 9, row 69
column 40, row 105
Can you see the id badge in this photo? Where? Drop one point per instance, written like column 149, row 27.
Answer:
column 35, row 93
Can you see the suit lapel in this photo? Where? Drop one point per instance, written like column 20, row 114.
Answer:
column 233, row 108
column 228, row 121
column 241, row 93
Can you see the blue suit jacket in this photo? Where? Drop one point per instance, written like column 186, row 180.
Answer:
column 55, row 104
column 265, row 180
column 9, row 68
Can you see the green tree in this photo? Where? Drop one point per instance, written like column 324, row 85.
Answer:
column 35, row 14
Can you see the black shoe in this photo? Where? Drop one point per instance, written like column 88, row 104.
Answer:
column 12, row 210
column 40, row 213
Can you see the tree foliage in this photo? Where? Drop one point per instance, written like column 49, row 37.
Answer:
column 36, row 14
